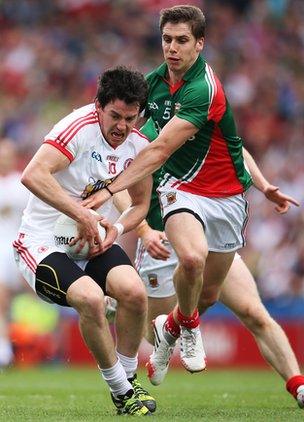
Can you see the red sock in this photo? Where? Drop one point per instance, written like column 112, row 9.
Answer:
column 294, row 383
column 188, row 321
column 171, row 326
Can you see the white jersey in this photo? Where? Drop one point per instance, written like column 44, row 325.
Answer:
column 93, row 164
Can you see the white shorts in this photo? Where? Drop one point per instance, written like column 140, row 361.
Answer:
column 9, row 274
column 224, row 219
column 157, row 275
column 30, row 251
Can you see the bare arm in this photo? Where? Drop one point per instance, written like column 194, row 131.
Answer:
column 153, row 240
column 271, row 192
column 133, row 205
column 38, row 178
column 173, row 135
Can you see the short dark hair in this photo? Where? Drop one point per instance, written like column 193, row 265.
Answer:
column 123, row 84
column 184, row 13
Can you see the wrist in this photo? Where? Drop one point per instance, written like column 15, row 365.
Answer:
column 107, row 188
column 142, row 228
column 120, row 228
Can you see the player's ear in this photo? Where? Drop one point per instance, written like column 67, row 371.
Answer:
column 97, row 104
column 200, row 44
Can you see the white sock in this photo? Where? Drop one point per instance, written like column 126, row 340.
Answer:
column 129, row 364
column 116, row 379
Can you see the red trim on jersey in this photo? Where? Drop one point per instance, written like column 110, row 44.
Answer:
column 173, row 88
column 60, row 148
column 217, row 162
column 70, row 135
column 139, row 133
column 218, row 106
column 67, row 130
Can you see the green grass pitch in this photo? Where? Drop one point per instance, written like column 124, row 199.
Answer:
column 78, row 394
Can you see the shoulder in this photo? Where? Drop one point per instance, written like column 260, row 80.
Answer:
column 138, row 139
column 78, row 117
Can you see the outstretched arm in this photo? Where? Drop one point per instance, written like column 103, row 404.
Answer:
column 173, row 135
column 271, row 192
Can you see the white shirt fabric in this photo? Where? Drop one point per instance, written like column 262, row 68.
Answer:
column 94, row 163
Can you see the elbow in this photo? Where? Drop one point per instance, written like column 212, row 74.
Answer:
column 25, row 179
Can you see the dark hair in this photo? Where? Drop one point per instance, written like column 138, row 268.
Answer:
column 184, row 13
column 123, row 84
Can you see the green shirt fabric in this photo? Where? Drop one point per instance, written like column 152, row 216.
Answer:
column 210, row 163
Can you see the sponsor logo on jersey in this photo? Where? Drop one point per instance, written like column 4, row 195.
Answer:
column 112, row 158
column 153, row 280
column 127, row 163
column 153, row 106
column 96, row 156
column 63, row 240
column 171, row 198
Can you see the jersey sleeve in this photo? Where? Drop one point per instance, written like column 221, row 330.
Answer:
column 64, row 137
column 195, row 105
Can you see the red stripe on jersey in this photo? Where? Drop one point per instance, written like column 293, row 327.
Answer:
column 77, row 128
column 139, row 133
column 61, row 148
column 218, row 106
column 217, row 177
column 70, row 127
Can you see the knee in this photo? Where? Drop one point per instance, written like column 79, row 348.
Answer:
column 135, row 298
column 256, row 319
column 89, row 302
column 206, row 302
column 192, row 262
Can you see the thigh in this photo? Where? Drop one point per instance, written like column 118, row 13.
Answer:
column 99, row 268
column 54, row 275
column 186, row 234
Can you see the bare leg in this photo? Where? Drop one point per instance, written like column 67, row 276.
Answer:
column 131, row 308
column 239, row 293
column 191, row 248
column 217, row 266
column 157, row 306
column 87, row 298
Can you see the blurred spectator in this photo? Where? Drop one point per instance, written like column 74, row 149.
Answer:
column 53, row 51
column 13, row 198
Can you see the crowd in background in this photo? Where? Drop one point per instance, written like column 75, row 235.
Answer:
column 52, row 51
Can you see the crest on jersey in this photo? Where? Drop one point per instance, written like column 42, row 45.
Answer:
column 171, row 198
column 128, row 162
column 42, row 249
column 177, row 107
column 153, row 280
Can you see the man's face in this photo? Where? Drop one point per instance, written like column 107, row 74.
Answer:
column 117, row 120
column 180, row 48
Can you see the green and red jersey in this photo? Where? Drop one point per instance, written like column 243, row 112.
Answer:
column 211, row 162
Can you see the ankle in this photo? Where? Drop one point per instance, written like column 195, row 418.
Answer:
column 191, row 321
column 171, row 327
column 294, row 383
